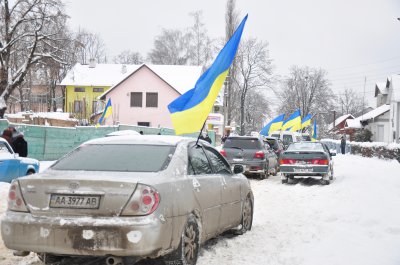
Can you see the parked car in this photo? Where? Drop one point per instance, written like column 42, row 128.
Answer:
column 307, row 159
column 275, row 143
column 287, row 137
column 127, row 198
column 251, row 152
column 12, row 166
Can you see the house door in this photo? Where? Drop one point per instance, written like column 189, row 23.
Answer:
column 381, row 131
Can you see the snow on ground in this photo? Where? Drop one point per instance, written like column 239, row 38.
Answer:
column 355, row 220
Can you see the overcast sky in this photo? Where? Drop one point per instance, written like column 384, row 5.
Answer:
column 351, row 39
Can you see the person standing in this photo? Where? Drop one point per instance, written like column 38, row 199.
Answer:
column 20, row 146
column 207, row 138
column 343, row 144
column 7, row 134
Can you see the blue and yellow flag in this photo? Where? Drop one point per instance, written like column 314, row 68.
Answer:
column 274, row 125
column 306, row 121
column 106, row 113
column 190, row 110
column 314, row 131
column 293, row 123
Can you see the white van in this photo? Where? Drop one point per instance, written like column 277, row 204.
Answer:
column 287, row 137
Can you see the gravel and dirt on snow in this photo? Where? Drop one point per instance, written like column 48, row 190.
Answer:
column 355, row 220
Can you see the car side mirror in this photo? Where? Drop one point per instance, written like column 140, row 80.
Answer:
column 238, row 169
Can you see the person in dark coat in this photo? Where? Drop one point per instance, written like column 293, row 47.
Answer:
column 343, row 145
column 20, row 146
column 207, row 138
column 7, row 134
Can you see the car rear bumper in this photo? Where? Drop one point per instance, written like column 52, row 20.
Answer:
column 119, row 236
column 251, row 167
column 304, row 170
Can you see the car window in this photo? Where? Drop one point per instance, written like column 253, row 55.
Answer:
column 218, row 163
column 243, row 143
column 198, row 162
column 275, row 135
column 117, row 157
column 305, row 146
column 4, row 149
column 287, row 139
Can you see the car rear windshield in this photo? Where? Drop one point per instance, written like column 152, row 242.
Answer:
column 243, row 143
column 303, row 146
column 117, row 157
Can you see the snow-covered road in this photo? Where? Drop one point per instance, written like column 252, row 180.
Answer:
column 355, row 220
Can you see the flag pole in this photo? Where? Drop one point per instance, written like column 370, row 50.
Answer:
column 201, row 131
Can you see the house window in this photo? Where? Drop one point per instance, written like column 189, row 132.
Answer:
column 78, row 106
column 79, row 89
column 94, row 106
column 142, row 123
column 152, row 100
column 136, row 99
column 98, row 89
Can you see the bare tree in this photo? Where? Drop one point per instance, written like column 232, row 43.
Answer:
column 27, row 36
column 350, row 103
column 128, row 57
column 171, row 47
column 231, row 23
column 254, row 73
column 90, row 46
column 201, row 47
column 307, row 89
column 257, row 109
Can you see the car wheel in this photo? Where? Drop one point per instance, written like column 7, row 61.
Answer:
column 284, row 181
column 188, row 249
column 247, row 217
column 324, row 182
column 30, row 172
column 48, row 258
column 331, row 175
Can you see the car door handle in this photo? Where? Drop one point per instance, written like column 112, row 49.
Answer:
column 196, row 184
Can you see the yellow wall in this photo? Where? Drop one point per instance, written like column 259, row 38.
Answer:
column 89, row 96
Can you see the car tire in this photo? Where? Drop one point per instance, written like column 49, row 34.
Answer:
column 331, row 175
column 284, row 181
column 324, row 182
column 48, row 258
column 188, row 249
column 30, row 172
column 247, row 217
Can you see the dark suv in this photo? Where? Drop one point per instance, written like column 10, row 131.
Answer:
column 276, row 144
column 251, row 152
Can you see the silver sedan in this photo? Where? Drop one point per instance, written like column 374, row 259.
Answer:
column 126, row 198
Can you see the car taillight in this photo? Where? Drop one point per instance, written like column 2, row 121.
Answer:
column 287, row 161
column 259, row 154
column 223, row 153
column 319, row 162
column 15, row 200
column 144, row 201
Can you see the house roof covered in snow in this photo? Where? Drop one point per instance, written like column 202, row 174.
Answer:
column 340, row 120
column 356, row 123
column 180, row 77
column 381, row 88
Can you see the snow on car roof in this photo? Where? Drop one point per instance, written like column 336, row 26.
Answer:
column 141, row 139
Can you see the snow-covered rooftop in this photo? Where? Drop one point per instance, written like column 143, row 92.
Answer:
column 374, row 113
column 380, row 88
column 340, row 120
column 353, row 123
column 180, row 77
column 49, row 115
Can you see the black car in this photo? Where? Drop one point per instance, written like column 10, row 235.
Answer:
column 276, row 144
column 251, row 152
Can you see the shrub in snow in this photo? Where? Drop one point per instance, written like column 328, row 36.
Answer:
column 363, row 135
column 376, row 149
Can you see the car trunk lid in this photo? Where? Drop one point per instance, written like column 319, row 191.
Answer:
column 78, row 195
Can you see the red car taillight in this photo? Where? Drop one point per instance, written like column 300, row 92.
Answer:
column 15, row 200
column 223, row 152
column 287, row 161
column 319, row 162
column 259, row 154
column 144, row 201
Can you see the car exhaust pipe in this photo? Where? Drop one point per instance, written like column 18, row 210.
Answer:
column 20, row 253
column 114, row 261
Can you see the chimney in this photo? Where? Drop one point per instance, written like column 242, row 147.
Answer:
column 92, row 63
column 123, row 69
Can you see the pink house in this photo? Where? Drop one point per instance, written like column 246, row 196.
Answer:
column 142, row 97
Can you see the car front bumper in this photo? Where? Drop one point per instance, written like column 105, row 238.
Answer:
column 147, row 236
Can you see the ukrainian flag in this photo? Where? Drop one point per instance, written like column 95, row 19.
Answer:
column 314, row 132
column 306, row 121
column 293, row 123
column 190, row 110
column 106, row 113
column 274, row 125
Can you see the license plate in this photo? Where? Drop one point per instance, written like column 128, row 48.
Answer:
column 238, row 159
column 75, row 201
column 303, row 170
